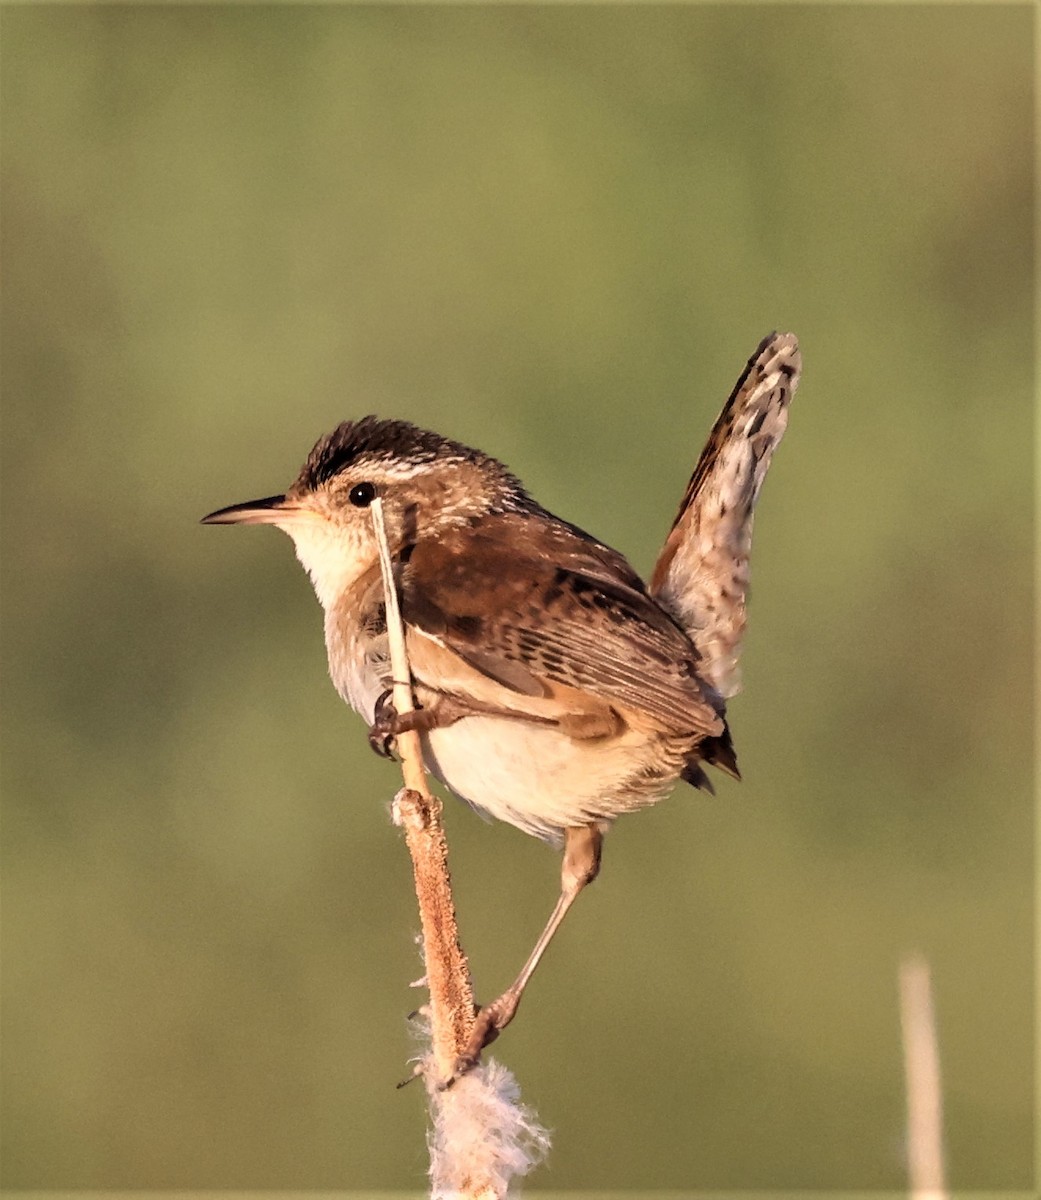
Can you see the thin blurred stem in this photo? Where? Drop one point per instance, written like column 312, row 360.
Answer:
column 922, row 1072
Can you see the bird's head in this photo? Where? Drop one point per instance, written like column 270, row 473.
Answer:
column 425, row 482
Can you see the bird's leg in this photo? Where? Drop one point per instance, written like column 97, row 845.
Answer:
column 387, row 722
column 437, row 711
column 580, row 866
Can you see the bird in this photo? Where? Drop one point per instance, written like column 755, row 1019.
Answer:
column 555, row 690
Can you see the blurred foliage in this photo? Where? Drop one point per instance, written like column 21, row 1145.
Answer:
column 556, row 233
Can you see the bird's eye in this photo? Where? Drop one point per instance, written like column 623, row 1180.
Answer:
column 362, row 495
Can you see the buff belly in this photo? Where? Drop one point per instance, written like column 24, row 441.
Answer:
column 543, row 781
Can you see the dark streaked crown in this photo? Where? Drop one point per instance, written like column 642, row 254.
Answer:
column 372, row 441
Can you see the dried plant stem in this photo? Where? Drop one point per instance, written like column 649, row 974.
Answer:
column 482, row 1136
column 922, row 1070
column 418, row 811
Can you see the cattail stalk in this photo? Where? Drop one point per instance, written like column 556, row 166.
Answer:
column 482, row 1136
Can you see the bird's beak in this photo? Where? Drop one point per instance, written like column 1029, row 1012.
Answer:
column 272, row 510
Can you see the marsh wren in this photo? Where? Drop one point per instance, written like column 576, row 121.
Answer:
column 554, row 689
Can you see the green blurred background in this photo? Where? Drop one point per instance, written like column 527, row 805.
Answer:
column 556, row 233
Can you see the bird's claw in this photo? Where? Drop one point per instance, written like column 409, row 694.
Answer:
column 384, row 728
column 417, row 1070
column 491, row 1020
column 387, row 723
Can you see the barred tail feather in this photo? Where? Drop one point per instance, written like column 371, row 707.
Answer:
column 701, row 576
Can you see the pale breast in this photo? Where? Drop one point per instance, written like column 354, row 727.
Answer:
column 360, row 673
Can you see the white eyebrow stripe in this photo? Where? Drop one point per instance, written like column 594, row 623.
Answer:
column 398, row 469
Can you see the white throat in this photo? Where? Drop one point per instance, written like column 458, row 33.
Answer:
column 332, row 555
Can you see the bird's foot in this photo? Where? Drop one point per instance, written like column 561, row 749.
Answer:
column 387, row 723
column 491, row 1020
column 383, row 729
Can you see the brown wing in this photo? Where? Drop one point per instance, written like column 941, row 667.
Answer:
column 533, row 605
column 701, row 576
